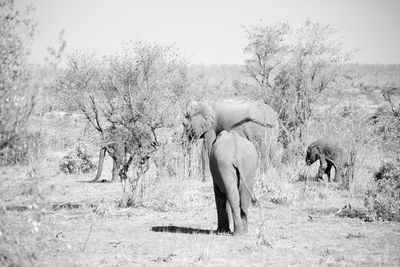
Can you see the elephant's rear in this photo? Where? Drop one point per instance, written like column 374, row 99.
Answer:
column 248, row 158
column 223, row 148
column 221, row 158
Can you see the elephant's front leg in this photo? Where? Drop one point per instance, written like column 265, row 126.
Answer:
column 221, row 202
column 229, row 212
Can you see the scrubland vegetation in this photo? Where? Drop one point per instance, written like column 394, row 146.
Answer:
column 55, row 119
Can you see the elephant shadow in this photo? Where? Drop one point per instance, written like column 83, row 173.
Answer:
column 182, row 230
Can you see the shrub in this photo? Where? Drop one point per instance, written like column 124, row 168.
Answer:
column 294, row 151
column 77, row 161
column 383, row 197
column 389, row 170
column 274, row 188
column 22, row 149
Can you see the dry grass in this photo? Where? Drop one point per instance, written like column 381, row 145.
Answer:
column 53, row 219
column 89, row 229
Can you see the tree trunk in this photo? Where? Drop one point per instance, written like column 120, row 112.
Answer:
column 115, row 172
column 100, row 164
column 205, row 161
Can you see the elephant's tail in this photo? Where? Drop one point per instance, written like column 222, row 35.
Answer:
column 254, row 201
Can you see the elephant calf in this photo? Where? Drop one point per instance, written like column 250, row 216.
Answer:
column 329, row 153
column 233, row 165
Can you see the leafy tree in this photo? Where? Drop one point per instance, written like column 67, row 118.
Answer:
column 128, row 98
column 16, row 95
column 292, row 68
column 387, row 121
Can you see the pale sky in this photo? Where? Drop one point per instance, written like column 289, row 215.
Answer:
column 211, row 31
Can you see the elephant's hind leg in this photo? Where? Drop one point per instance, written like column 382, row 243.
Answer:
column 221, row 202
column 245, row 200
column 234, row 201
column 338, row 174
column 328, row 171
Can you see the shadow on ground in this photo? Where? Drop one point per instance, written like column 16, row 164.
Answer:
column 183, row 230
column 102, row 181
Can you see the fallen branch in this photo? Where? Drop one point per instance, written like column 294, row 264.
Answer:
column 87, row 238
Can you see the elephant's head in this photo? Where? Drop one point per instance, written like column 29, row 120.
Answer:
column 312, row 155
column 197, row 122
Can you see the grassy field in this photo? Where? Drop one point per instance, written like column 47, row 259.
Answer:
column 50, row 218
column 80, row 225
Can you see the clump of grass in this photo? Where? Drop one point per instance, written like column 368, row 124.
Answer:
column 383, row 196
column 77, row 161
column 312, row 191
column 389, row 170
column 167, row 196
column 274, row 188
column 12, row 252
column 22, row 233
column 262, row 240
column 353, row 212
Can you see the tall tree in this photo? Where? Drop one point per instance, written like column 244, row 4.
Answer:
column 128, row 97
column 292, row 68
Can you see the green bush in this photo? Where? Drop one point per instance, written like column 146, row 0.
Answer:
column 383, row 197
column 77, row 161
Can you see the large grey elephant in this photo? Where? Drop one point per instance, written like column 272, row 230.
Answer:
column 255, row 121
column 233, row 165
column 330, row 154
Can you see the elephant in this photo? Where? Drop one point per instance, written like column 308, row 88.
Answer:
column 330, row 154
column 255, row 121
column 233, row 165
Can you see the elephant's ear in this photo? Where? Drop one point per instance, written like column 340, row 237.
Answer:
column 200, row 121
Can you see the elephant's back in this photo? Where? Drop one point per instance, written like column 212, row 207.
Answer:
column 227, row 114
column 331, row 148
